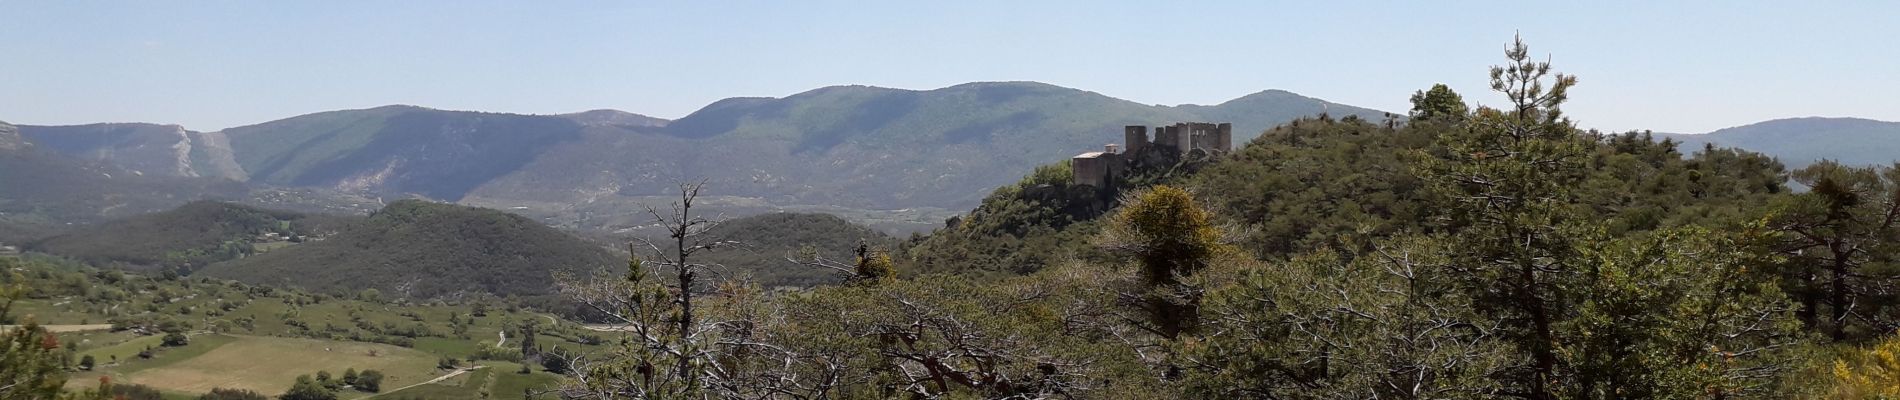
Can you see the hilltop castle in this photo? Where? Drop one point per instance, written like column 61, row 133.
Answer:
column 1099, row 168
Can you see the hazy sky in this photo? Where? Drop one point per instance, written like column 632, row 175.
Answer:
column 1673, row 66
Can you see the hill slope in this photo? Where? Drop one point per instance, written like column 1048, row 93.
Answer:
column 1801, row 141
column 864, row 147
column 168, row 150
column 395, row 149
column 420, row 249
column 193, row 235
column 853, row 147
column 770, row 238
column 45, row 188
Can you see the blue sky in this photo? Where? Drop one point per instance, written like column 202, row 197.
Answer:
column 1675, row 66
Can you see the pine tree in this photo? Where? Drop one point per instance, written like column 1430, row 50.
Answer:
column 1440, row 104
column 1509, row 181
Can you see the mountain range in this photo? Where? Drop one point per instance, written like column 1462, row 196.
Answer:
column 843, row 149
column 1802, row 141
column 851, row 146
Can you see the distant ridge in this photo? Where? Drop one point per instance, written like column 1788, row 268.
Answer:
column 854, row 146
column 1801, row 141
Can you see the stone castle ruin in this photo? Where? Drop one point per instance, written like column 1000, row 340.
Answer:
column 1180, row 141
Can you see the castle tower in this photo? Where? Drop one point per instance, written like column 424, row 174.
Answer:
column 1225, row 137
column 1136, row 137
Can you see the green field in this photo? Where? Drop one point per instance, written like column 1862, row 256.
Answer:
column 262, row 339
column 264, row 364
column 502, row 380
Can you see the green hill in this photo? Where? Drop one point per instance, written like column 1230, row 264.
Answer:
column 419, row 249
column 1801, row 141
column 770, row 238
column 1319, row 183
column 193, row 235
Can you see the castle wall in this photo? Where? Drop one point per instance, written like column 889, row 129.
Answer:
column 1090, row 169
column 1168, row 136
column 1225, row 140
column 1099, row 169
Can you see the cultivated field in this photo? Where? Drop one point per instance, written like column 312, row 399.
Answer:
column 271, row 364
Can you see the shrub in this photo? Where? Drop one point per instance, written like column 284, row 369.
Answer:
column 176, row 339
column 370, row 381
column 232, row 394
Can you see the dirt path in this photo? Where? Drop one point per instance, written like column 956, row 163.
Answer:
column 606, row 328
column 457, row 372
column 504, row 338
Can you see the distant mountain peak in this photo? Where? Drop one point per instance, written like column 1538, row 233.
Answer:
column 611, row 117
column 1822, row 123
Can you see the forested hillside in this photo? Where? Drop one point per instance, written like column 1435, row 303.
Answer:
column 189, row 237
column 769, row 245
column 1469, row 252
column 420, row 250
column 396, row 149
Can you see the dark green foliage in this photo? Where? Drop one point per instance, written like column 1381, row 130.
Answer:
column 308, row 389
column 232, row 394
column 1302, row 185
column 1305, row 185
column 555, row 361
column 1438, row 105
column 770, row 239
column 30, row 358
column 418, row 249
column 1840, row 241
column 176, row 339
column 194, row 235
column 1038, row 221
column 369, row 381
column 1018, row 229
